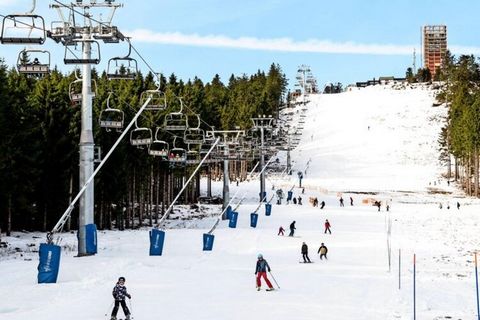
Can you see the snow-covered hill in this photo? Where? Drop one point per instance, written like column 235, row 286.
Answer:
column 378, row 142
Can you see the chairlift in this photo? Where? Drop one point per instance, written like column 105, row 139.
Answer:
column 158, row 148
column 111, row 118
column 194, row 135
column 26, row 28
column 193, row 157
column 75, row 90
column 176, row 121
column 157, row 102
column 71, row 58
column 122, row 67
column 39, row 66
column 140, row 136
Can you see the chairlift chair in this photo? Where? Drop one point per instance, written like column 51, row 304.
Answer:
column 175, row 121
column 159, row 148
column 72, row 58
column 122, row 67
column 157, row 102
column 194, row 136
column 193, row 157
column 40, row 65
column 75, row 91
column 23, row 29
column 111, row 118
column 177, row 155
column 140, row 136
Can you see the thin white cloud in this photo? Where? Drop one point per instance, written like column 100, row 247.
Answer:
column 282, row 44
column 276, row 44
column 5, row 3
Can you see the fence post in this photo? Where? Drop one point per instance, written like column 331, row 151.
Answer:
column 414, row 288
column 399, row 268
column 476, row 285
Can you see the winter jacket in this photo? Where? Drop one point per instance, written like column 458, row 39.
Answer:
column 120, row 292
column 292, row 226
column 262, row 266
column 322, row 250
column 327, row 224
column 304, row 249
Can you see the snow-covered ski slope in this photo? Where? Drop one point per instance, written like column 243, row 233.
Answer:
column 395, row 161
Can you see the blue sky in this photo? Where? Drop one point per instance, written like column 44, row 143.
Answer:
column 343, row 41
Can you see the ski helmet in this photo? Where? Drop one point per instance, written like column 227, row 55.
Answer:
column 260, row 256
column 121, row 279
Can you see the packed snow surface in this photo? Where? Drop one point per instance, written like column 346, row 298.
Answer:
column 377, row 143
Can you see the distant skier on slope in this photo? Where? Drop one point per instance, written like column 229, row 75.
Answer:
column 261, row 271
column 458, row 205
column 327, row 226
column 322, row 204
column 351, row 201
column 305, row 257
column 341, row 202
column 119, row 293
column 299, row 200
column 323, row 251
column 294, row 200
column 281, row 231
column 292, row 229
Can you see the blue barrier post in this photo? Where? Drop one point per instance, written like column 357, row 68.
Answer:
column 91, row 238
column 253, row 219
column 208, row 241
column 233, row 220
column 157, row 238
column 229, row 212
column 49, row 263
column 268, row 209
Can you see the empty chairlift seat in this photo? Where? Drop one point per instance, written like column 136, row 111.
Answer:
column 26, row 29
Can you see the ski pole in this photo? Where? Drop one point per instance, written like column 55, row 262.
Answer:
column 131, row 309
column 109, row 308
column 274, row 279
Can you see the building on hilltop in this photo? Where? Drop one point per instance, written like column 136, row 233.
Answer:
column 434, row 46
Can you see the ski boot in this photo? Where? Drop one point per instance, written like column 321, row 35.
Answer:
column 270, row 289
column 127, row 317
column 258, row 288
column 113, row 318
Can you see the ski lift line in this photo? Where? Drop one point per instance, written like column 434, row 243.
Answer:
column 66, row 214
column 167, row 213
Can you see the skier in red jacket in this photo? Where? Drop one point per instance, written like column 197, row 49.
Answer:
column 327, row 227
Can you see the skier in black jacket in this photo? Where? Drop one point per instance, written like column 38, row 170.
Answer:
column 305, row 253
column 119, row 293
column 292, row 229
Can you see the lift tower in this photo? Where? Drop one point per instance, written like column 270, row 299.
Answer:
column 74, row 34
column 262, row 123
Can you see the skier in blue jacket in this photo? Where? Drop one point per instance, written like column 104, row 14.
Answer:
column 119, row 293
column 261, row 271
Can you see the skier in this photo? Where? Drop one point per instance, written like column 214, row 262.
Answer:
column 315, row 202
column 327, row 226
column 341, row 202
column 323, row 251
column 305, row 253
column 261, row 271
column 303, row 190
column 351, row 201
column 458, row 205
column 294, row 200
column 281, row 231
column 322, row 204
column 292, row 229
column 119, row 293
column 299, row 200
column 440, row 205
